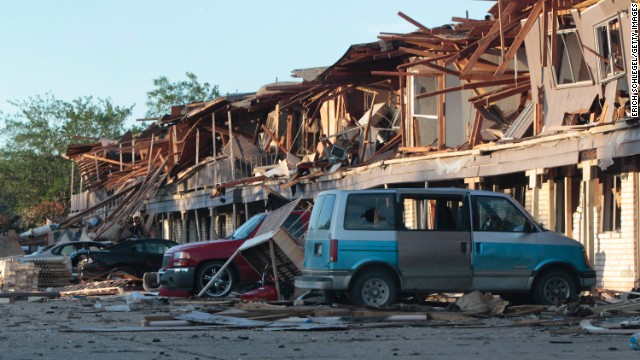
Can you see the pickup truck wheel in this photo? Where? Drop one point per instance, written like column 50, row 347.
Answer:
column 150, row 282
column 222, row 286
column 374, row 288
column 554, row 288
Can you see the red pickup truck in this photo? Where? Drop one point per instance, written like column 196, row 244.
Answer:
column 187, row 268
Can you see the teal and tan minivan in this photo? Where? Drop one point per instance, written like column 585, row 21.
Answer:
column 368, row 246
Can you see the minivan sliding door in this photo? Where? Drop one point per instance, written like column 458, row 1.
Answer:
column 434, row 242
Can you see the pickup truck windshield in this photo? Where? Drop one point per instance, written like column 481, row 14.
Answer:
column 247, row 228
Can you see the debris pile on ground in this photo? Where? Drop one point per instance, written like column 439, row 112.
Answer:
column 16, row 276
column 52, row 271
column 95, row 288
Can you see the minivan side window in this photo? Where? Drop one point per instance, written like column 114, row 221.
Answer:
column 497, row 214
column 321, row 213
column 429, row 212
column 370, row 212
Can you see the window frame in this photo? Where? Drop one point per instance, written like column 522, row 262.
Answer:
column 426, row 215
column 370, row 212
column 599, row 67
column 574, row 83
column 413, row 77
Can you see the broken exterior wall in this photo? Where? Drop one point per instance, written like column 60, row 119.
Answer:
column 204, row 197
column 580, row 89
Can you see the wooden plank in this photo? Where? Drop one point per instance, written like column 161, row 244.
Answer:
column 545, row 30
column 501, row 31
column 289, row 247
column 502, row 94
column 476, row 136
column 554, row 31
column 603, row 114
column 473, row 85
column 568, row 209
column 485, row 42
column 103, row 159
column 517, row 42
column 442, row 116
column 365, row 135
column 415, row 23
column 290, row 134
column 274, row 138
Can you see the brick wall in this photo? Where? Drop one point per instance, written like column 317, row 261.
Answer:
column 543, row 204
column 615, row 252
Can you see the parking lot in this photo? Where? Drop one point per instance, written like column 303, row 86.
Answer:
column 111, row 327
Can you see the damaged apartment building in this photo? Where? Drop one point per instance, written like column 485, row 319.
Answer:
column 534, row 101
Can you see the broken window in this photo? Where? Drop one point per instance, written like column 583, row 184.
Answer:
column 612, row 208
column 609, row 47
column 425, row 110
column 568, row 62
column 425, row 107
column 433, row 213
column 370, row 212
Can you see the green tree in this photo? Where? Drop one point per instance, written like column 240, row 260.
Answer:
column 34, row 176
column 166, row 94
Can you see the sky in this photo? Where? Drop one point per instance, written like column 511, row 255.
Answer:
column 115, row 48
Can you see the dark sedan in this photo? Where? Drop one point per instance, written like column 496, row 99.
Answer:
column 131, row 257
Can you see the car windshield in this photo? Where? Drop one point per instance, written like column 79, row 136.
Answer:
column 44, row 249
column 247, row 228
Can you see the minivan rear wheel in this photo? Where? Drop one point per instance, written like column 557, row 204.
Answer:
column 374, row 288
column 554, row 287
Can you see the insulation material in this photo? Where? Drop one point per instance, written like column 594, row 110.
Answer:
column 609, row 105
column 521, row 123
column 328, row 117
column 280, row 170
column 444, row 167
column 613, row 143
column 376, row 114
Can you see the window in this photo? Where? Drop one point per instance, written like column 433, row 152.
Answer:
column 370, row 212
column 612, row 206
column 425, row 107
column 425, row 110
column 247, row 228
column 439, row 213
column 609, row 43
column 155, row 247
column 68, row 250
column 497, row 214
column 569, row 66
column 322, row 212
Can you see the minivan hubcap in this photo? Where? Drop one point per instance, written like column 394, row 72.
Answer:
column 556, row 290
column 375, row 292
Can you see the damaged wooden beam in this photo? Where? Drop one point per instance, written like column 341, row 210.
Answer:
column 517, row 42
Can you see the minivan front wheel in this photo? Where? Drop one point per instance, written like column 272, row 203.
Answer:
column 374, row 288
column 554, row 288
